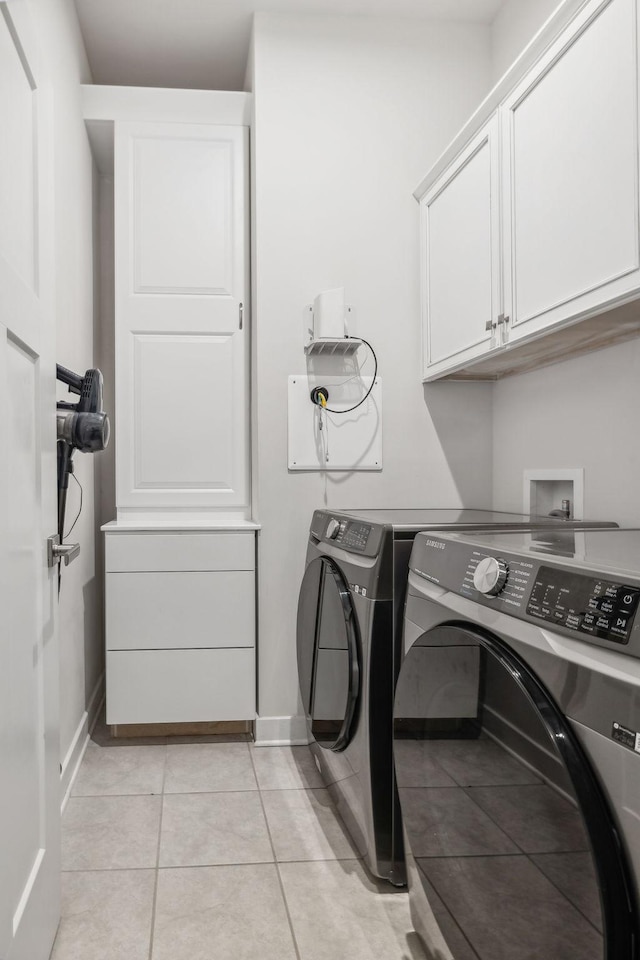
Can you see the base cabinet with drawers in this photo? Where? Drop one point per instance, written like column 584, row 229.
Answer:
column 180, row 626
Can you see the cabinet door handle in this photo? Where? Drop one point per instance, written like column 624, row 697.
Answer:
column 489, row 325
column 240, row 315
column 502, row 318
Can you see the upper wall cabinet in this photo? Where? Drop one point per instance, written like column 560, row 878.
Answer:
column 568, row 246
column 460, row 232
column 181, row 294
column 571, row 172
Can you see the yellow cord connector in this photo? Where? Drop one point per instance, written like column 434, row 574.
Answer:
column 319, row 396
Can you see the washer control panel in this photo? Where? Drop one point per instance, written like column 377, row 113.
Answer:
column 600, row 608
column 582, row 602
column 497, row 577
column 490, row 576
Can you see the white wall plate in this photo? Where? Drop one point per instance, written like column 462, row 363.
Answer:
column 319, row 440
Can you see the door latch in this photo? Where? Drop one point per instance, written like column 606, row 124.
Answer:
column 57, row 551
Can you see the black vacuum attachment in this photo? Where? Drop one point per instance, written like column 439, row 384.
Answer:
column 82, row 426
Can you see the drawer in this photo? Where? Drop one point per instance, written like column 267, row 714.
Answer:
column 180, row 610
column 179, row 551
column 180, row 686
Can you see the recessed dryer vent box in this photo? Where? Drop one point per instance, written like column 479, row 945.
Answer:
column 544, row 491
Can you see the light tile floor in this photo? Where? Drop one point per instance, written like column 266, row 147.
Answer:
column 217, row 851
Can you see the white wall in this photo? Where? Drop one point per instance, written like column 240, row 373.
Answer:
column 349, row 115
column 578, row 413
column 75, row 199
column 514, row 26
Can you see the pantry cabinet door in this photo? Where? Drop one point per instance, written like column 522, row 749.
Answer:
column 571, row 174
column 181, row 239
column 460, row 258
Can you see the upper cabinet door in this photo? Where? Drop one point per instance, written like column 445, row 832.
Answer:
column 181, row 232
column 460, row 235
column 571, row 174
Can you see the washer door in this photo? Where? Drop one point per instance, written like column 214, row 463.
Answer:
column 513, row 851
column 328, row 654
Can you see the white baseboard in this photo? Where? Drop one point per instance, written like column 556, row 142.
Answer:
column 75, row 753
column 280, row 731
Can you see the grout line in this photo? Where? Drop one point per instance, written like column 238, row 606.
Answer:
column 561, row 892
column 157, row 870
column 109, row 870
column 468, row 790
column 216, row 866
column 208, row 793
column 494, row 856
column 296, row 790
column 162, row 791
column 243, row 863
column 115, row 796
column 277, row 866
column 520, row 852
column 353, row 858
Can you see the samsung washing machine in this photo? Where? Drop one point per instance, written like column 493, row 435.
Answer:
column 348, row 645
column 517, row 745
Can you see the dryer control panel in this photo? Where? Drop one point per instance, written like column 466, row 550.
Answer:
column 350, row 534
column 597, row 607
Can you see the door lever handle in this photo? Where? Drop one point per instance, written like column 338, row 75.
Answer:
column 57, row 551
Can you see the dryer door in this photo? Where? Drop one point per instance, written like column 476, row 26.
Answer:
column 328, row 654
column 513, row 851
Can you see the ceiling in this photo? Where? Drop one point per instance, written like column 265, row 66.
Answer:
column 203, row 44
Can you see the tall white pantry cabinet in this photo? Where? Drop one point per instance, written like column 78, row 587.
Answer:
column 180, row 557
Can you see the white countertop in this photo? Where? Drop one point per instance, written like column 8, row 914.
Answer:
column 219, row 524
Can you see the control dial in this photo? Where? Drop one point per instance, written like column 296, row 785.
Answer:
column 333, row 528
column 490, row 576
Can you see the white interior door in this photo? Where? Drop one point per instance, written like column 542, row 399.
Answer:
column 29, row 748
